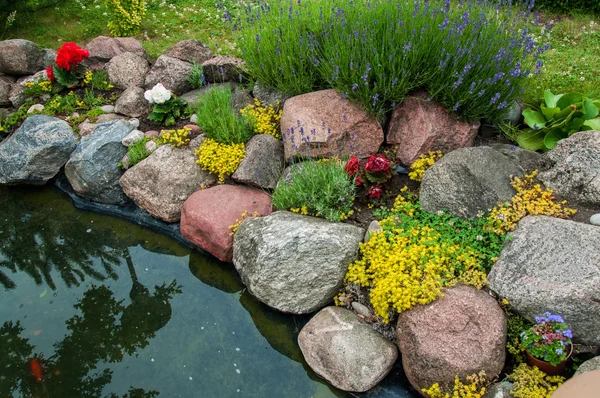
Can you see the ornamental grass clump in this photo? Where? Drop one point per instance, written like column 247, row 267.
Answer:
column 317, row 188
column 472, row 56
column 417, row 254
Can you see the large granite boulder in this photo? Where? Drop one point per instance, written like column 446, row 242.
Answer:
column 162, row 182
column 190, row 51
column 20, row 57
column 294, row 263
column 459, row 334
column 268, row 96
column 127, row 70
column 345, row 351
column 467, row 181
column 93, row 168
column 103, row 48
column 132, row 103
column 209, row 214
column 550, row 264
column 572, row 168
column 223, row 68
column 419, row 126
column 173, row 73
column 527, row 160
column 6, row 84
column 263, row 163
column 36, row 151
column 323, row 123
column 589, row 366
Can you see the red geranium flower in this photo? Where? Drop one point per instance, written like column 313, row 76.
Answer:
column 377, row 164
column 358, row 181
column 50, row 73
column 70, row 55
column 352, row 166
column 375, row 192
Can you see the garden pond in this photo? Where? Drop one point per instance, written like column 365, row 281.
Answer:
column 110, row 309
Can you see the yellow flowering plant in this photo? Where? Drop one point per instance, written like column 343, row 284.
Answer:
column 126, row 17
column 220, row 159
column 37, row 89
column 176, row 137
column 530, row 382
column 266, row 118
column 239, row 221
column 474, row 387
column 421, row 165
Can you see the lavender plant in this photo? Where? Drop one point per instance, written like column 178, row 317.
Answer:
column 473, row 56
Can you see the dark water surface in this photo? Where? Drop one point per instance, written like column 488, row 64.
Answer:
column 110, row 309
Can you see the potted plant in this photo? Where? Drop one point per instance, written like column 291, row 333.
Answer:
column 548, row 344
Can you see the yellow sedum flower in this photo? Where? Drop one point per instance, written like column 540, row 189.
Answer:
column 220, row 159
column 88, row 77
column 530, row 199
column 266, row 118
column 424, row 162
column 474, row 387
column 176, row 138
column 530, row 382
column 239, row 221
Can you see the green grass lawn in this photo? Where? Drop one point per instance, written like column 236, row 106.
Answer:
column 571, row 64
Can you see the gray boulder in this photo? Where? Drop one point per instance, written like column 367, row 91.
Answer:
column 172, row 73
column 20, row 57
column 191, row 97
column 263, row 164
column 17, row 95
column 6, row 84
column 190, row 51
column 36, row 151
column 294, row 263
column 348, row 353
column 92, row 169
column 550, row 264
column 572, row 168
column 162, row 182
column 127, row 70
column 49, row 57
column 132, row 103
column 499, row 390
column 527, row 160
column 467, row 181
column 268, row 96
column 223, row 68
column 588, row 366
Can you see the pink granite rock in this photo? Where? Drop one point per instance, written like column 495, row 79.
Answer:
column 103, row 48
column 322, row 123
column 208, row 213
column 418, row 126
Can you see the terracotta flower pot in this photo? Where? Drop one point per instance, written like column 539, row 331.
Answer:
column 547, row 367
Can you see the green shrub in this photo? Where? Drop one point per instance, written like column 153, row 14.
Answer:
column 568, row 6
column 469, row 56
column 319, row 188
column 126, row 17
column 219, row 120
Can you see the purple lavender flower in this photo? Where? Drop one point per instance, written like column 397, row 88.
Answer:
column 495, row 98
column 516, row 71
column 455, row 108
column 500, row 54
column 502, row 105
column 538, row 66
column 355, row 86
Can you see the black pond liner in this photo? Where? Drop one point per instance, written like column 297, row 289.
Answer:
column 128, row 212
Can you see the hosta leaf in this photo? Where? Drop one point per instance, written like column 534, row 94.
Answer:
column 534, row 119
column 575, row 124
column 532, row 140
column 549, row 112
column 593, row 123
column 591, row 111
column 553, row 136
column 551, row 99
column 569, row 99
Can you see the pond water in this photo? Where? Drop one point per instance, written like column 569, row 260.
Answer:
column 110, row 309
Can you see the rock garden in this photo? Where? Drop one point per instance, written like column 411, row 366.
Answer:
column 374, row 165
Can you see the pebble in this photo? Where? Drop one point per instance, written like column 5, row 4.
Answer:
column 194, row 128
column 108, row 108
column 133, row 138
column 151, row 133
column 35, row 108
column 194, row 119
column 595, row 219
column 401, row 170
column 135, row 122
column 151, row 146
column 361, row 309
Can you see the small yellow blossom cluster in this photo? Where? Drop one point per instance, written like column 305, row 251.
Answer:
column 176, row 138
column 474, row 387
column 530, row 199
column 408, row 266
column 220, row 159
column 530, row 382
column 424, row 162
column 239, row 221
column 266, row 118
column 300, row 210
column 36, row 89
column 306, row 212
column 88, row 77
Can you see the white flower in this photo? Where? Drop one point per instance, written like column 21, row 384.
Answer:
column 158, row 95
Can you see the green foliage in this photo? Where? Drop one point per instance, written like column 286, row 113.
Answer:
column 196, row 78
column 376, row 53
column 97, row 80
column 568, row 6
column 516, row 324
column 10, row 20
column 126, row 17
column 319, row 188
column 15, row 118
column 549, row 339
column 137, row 152
column 219, row 120
column 558, row 117
column 168, row 112
column 67, row 104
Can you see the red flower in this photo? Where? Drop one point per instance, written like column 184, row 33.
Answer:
column 50, row 73
column 70, row 55
column 375, row 192
column 352, row 166
column 358, row 181
column 377, row 164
